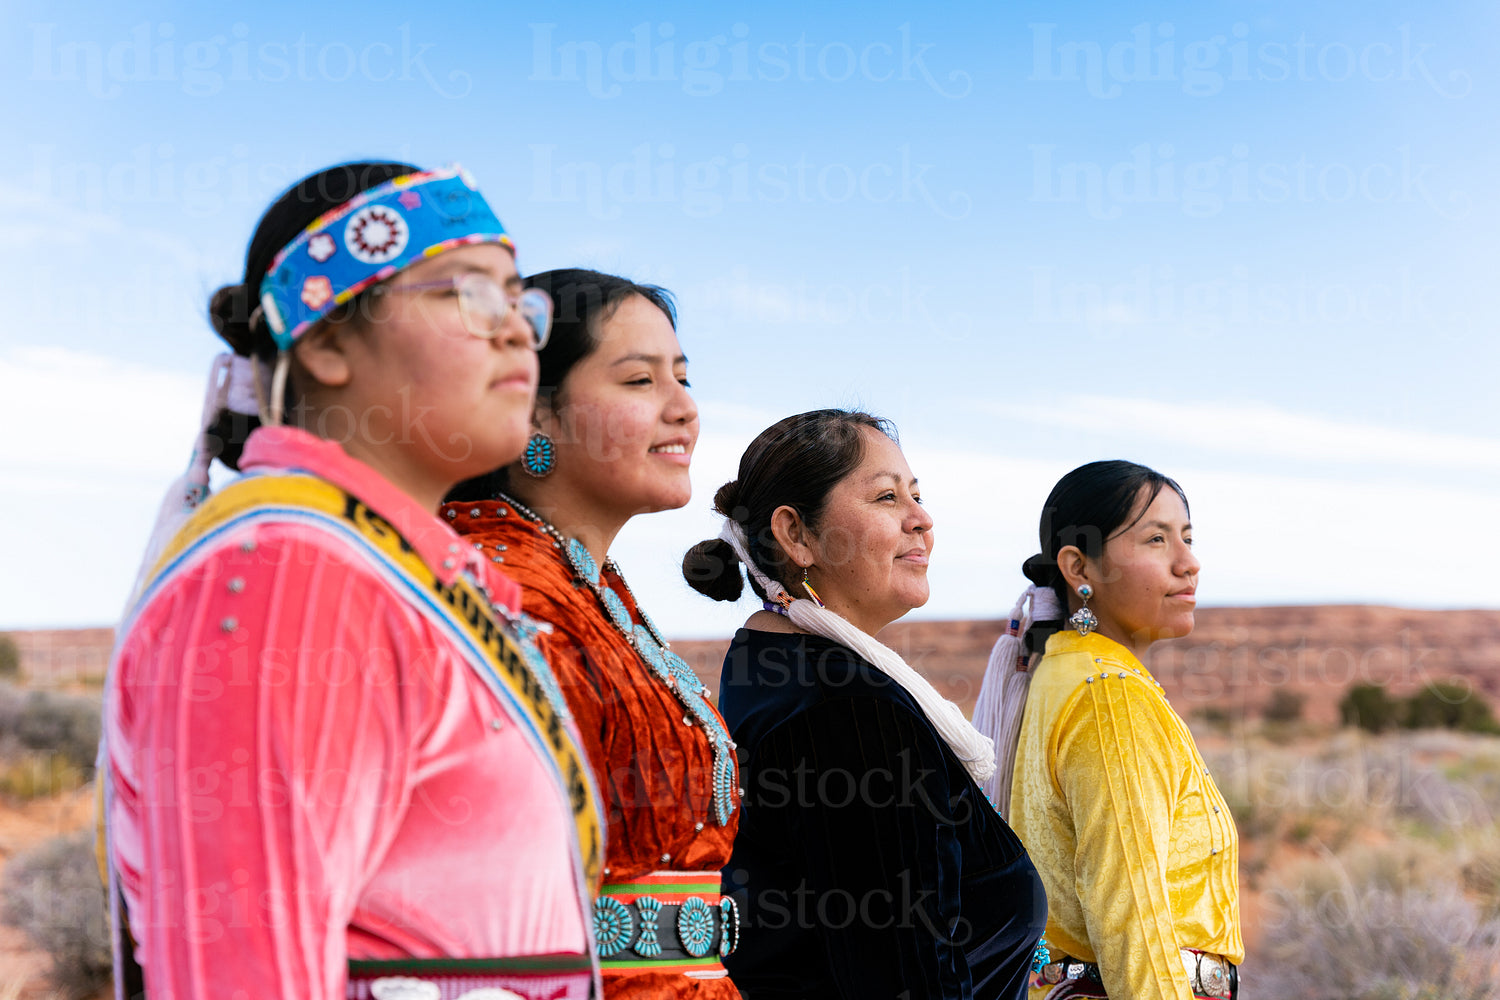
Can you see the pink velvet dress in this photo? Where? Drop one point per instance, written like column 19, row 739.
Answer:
column 303, row 771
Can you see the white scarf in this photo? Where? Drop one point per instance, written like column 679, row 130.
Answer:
column 973, row 748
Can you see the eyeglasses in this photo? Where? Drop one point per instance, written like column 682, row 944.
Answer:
column 483, row 305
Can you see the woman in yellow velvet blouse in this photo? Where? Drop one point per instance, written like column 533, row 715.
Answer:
column 1097, row 773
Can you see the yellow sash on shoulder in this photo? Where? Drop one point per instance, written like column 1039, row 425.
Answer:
column 498, row 648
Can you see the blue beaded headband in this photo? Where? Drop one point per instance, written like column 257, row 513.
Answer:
column 368, row 239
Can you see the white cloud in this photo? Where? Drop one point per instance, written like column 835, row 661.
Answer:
column 1256, row 429
column 1115, row 314
column 1265, row 537
column 92, row 441
column 83, row 415
column 32, row 222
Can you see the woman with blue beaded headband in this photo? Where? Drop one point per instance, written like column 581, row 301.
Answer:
column 613, row 435
column 335, row 764
column 868, row 861
column 1096, row 772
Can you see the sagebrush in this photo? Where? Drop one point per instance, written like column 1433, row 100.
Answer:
column 49, row 722
column 53, row 893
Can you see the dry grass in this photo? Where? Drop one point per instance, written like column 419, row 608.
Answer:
column 1376, row 860
column 33, row 775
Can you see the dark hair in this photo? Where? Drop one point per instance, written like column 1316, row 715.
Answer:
column 232, row 309
column 796, row 462
column 581, row 301
column 1087, row 507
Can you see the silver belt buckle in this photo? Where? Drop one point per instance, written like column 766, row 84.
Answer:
column 1208, row 973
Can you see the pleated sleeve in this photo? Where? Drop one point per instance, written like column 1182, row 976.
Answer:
column 260, row 728
column 1117, row 765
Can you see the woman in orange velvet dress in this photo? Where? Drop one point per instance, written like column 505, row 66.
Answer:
column 613, row 436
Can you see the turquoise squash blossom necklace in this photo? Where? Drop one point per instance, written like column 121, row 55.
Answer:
column 654, row 650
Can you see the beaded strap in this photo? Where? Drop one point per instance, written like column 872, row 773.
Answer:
column 654, row 650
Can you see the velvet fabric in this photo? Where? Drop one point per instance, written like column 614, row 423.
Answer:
column 1131, row 835
column 869, row 864
column 655, row 774
column 303, row 770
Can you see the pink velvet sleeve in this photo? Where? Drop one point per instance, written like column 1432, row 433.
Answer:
column 263, row 714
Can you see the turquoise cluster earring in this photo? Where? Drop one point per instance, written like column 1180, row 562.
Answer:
column 1084, row 620
column 540, row 456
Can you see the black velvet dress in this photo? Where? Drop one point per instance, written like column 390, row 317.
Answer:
column 868, row 863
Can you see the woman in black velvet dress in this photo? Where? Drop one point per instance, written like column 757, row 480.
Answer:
column 869, row 863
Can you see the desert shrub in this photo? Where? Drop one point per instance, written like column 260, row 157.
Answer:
column 52, row 893
column 1284, row 706
column 10, row 659
column 1445, row 705
column 1481, row 877
column 1215, row 717
column 39, row 775
column 50, row 722
column 1379, row 927
column 1369, row 707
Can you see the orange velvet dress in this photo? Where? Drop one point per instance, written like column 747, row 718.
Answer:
column 655, row 773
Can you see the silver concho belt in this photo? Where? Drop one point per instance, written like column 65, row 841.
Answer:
column 1211, row 976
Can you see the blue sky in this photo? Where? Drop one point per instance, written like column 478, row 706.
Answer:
column 1250, row 244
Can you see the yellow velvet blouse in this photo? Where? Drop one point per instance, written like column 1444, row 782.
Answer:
column 1133, row 841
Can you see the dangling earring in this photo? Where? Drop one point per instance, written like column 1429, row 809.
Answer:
column 810, row 592
column 540, row 456
column 1083, row 619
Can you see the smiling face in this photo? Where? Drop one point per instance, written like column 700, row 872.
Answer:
column 872, row 543
column 624, row 426
column 1145, row 582
column 416, row 395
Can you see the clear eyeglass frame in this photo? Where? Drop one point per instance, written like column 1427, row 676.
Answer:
column 484, row 306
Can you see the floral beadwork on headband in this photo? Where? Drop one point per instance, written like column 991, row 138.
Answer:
column 367, row 239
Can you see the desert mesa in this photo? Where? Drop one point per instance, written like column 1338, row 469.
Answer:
column 1233, row 664
column 1237, row 658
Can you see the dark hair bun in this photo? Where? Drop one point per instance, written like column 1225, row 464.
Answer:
column 229, row 311
column 713, row 570
column 1040, row 570
column 228, row 434
column 727, row 498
